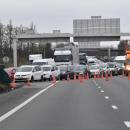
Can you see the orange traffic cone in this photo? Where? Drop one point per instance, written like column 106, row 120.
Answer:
column 28, row 82
column 94, row 76
column 106, row 76
column 74, row 77
column 68, row 78
column 13, row 84
column 111, row 75
column 53, row 79
column 102, row 76
column 98, row 76
column 123, row 74
column 87, row 76
column 81, row 78
column 129, row 75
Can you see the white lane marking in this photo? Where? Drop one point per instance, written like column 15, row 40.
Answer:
column 11, row 112
column 106, row 97
column 127, row 123
column 96, row 84
column 99, row 87
column 114, row 107
column 102, row 91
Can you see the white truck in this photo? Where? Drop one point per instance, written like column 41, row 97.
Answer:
column 33, row 57
column 67, row 55
column 42, row 62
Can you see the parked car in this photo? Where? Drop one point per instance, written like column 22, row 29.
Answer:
column 120, row 68
column 76, row 70
column 29, row 72
column 64, row 71
column 105, row 69
column 113, row 68
column 94, row 70
column 49, row 71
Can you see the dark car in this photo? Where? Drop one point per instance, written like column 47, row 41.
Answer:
column 64, row 72
column 77, row 70
column 113, row 68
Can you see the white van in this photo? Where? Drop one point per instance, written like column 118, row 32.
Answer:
column 43, row 62
column 120, row 60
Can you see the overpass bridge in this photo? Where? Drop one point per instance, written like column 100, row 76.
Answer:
column 65, row 37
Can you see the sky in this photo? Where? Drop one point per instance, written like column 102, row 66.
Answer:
column 49, row 15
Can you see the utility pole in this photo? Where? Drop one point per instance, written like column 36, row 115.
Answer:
column 109, row 53
column 15, row 52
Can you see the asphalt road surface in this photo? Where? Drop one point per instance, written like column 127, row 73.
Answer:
column 73, row 105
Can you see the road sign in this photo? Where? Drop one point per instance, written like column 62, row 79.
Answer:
column 5, row 59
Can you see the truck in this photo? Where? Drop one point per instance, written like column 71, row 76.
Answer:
column 33, row 57
column 67, row 55
column 127, row 60
column 82, row 58
column 42, row 62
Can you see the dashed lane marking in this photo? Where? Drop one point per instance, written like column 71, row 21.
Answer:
column 106, row 97
column 102, row 91
column 127, row 123
column 114, row 107
column 99, row 87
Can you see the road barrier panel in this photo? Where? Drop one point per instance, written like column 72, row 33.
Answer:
column 129, row 75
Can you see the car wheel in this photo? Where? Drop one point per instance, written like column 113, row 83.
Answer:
column 50, row 79
column 32, row 79
column 41, row 78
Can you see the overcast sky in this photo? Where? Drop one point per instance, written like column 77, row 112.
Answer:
column 59, row 14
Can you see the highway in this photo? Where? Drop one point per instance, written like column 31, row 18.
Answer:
column 68, row 105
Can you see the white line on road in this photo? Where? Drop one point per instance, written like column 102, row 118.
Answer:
column 11, row 112
column 114, row 107
column 99, row 87
column 102, row 91
column 127, row 123
column 106, row 97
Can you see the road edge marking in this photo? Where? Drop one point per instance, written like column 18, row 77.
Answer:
column 11, row 112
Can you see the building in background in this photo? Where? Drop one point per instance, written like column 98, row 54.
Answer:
column 89, row 33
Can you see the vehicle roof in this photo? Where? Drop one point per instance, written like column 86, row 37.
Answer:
column 28, row 65
column 47, row 66
column 43, row 60
column 119, row 58
column 64, row 52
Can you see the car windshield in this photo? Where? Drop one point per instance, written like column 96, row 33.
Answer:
column 63, row 68
column 94, row 67
column 24, row 69
column 120, row 61
column 77, row 68
column 62, row 58
column 111, row 65
column 39, row 63
column 46, row 68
